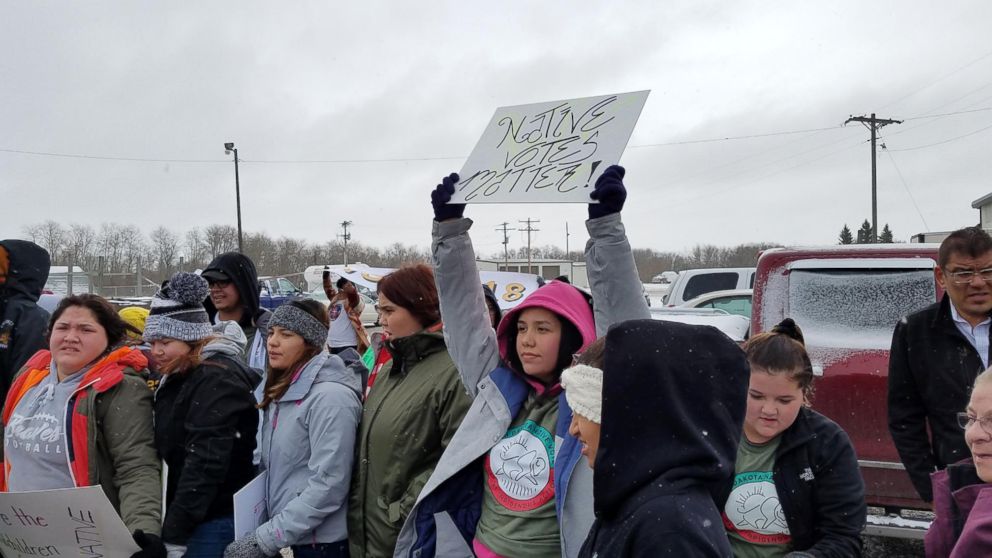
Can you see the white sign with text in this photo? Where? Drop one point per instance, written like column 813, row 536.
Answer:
column 66, row 522
column 548, row 152
column 251, row 507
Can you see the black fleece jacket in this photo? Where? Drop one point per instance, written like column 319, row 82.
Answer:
column 820, row 487
column 22, row 322
column 931, row 370
column 205, row 426
column 674, row 399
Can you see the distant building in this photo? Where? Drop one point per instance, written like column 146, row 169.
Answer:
column 984, row 207
column 58, row 280
column 546, row 268
column 929, row 237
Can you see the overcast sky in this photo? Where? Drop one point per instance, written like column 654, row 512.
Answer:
column 353, row 111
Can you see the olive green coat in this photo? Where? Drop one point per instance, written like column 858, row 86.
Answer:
column 410, row 415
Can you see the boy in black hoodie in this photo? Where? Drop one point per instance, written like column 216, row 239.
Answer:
column 234, row 296
column 24, row 269
column 673, row 405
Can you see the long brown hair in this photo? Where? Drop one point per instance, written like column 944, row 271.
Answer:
column 783, row 351
column 412, row 287
column 277, row 380
column 190, row 360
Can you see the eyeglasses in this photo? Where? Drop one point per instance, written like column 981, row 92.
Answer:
column 217, row 283
column 965, row 420
column 965, row 277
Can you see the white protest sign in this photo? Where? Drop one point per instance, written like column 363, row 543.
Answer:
column 361, row 274
column 67, row 522
column 510, row 288
column 251, row 506
column 548, row 152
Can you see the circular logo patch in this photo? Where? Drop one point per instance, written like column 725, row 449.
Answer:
column 520, row 468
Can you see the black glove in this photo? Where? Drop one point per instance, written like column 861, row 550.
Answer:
column 609, row 191
column 151, row 545
column 442, row 195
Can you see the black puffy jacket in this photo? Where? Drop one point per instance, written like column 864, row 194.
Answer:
column 205, row 426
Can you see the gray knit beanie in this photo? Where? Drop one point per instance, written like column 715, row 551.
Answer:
column 300, row 322
column 177, row 310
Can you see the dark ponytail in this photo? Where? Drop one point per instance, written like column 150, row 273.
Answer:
column 783, row 351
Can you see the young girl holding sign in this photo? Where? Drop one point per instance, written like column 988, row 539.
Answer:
column 797, row 486
column 512, row 481
column 312, row 403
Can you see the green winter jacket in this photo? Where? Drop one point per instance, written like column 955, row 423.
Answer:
column 410, row 415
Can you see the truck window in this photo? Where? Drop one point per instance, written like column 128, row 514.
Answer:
column 856, row 308
column 707, row 283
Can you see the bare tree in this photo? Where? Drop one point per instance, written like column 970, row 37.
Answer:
column 80, row 241
column 196, row 249
column 165, row 249
column 220, row 239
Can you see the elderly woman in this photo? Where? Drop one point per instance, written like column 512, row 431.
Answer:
column 962, row 493
column 86, row 378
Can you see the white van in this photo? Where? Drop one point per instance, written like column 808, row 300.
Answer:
column 694, row 282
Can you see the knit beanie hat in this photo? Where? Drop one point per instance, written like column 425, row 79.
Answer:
column 134, row 316
column 584, row 391
column 300, row 322
column 177, row 310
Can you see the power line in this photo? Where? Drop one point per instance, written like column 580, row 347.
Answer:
column 906, row 186
column 949, row 140
column 443, row 158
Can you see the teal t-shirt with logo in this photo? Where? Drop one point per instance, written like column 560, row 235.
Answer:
column 518, row 505
column 753, row 514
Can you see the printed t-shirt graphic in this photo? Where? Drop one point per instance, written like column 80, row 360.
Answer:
column 753, row 514
column 518, row 503
column 520, row 468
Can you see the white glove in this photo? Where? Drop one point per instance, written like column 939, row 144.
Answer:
column 175, row 550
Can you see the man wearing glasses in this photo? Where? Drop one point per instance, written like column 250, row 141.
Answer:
column 936, row 355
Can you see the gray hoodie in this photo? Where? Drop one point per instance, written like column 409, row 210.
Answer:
column 309, row 459
column 230, row 342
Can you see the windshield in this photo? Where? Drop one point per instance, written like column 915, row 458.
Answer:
column 856, row 308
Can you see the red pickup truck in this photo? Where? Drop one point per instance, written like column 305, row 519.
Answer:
column 847, row 300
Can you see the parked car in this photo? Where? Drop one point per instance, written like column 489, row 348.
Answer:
column 370, row 317
column 274, row 291
column 734, row 326
column 847, row 300
column 734, row 301
column 695, row 282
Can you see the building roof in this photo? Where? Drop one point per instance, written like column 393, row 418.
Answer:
column 984, row 200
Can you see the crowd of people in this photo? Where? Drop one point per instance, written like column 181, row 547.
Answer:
column 572, row 426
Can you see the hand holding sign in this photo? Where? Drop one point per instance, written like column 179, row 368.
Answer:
column 610, row 192
column 548, row 152
column 442, row 195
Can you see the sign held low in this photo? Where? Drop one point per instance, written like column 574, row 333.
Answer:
column 548, row 152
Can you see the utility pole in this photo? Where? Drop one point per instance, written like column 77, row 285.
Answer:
column 529, row 230
column 504, row 226
column 346, row 237
column 873, row 124
column 568, row 255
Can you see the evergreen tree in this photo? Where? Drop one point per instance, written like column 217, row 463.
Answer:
column 885, row 236
column 845, row 235
column 864, row 233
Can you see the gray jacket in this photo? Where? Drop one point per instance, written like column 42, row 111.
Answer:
column 616, row 290
column 309, row 459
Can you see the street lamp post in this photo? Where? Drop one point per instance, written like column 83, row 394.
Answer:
column 228, row 148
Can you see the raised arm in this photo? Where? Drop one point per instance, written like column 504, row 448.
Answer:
column 467, row 330
column 616, row 287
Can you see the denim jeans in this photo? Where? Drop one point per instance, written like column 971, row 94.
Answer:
column 322, row 550
column 211, row 538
